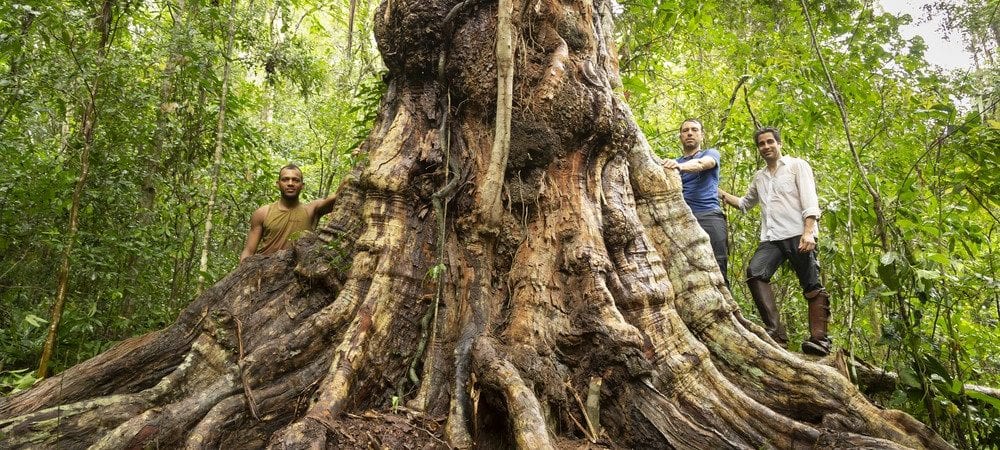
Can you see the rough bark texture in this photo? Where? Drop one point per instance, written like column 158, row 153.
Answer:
column 594, row 285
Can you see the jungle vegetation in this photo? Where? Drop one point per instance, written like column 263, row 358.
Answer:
column 137, row 138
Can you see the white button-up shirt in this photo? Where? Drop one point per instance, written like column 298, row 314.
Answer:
column 786, row 198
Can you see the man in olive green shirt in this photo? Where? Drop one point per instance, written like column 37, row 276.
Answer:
column 273, row 227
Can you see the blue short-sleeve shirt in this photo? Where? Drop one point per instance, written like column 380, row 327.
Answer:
column 701, row 189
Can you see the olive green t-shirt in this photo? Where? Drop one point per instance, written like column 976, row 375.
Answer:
column 282, row 227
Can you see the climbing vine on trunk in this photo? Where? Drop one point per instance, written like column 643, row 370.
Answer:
column 572, row 269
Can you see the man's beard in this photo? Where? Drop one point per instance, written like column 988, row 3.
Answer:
column 290, row 197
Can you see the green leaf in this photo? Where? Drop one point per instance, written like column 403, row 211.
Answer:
column 990, row 400
column 436, row 271
column 939, row 258
column 635, row 86
column 25, row 381
column 35, row 321
column 888, row 258
column 936, row 368
column 948, row 109
column 909, row 378
column 927, row 274
column 888, row 274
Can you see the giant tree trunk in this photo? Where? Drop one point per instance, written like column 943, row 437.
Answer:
column 586, row 306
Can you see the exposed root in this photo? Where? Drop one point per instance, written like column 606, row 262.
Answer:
column 208, row 369
column 113, row 371
column 164, row 425
column 300, row 346
column 208, row 432
column 440, row 360
column 593, row 273
column 304, row 434
column 389, row 291
column 456, row 428
column 471, row 318
column 772, row 376
column 679, row 430
column 525, row 412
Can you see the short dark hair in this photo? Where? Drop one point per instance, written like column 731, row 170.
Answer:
column 774, row 131
column 692, row 119
column 290, row 167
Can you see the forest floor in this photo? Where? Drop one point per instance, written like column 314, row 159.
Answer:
column 381, row 430
column 409, row 430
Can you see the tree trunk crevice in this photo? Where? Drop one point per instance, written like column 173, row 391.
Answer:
column 591, row 268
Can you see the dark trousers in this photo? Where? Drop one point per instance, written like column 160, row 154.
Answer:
column 770, row 255
column 714, row 223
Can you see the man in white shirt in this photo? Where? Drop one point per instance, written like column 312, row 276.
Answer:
column 786, row 192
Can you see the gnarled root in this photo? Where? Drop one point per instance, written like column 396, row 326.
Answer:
column 525, row 412
column 777, row 379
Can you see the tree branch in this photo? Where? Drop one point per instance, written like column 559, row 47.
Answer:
column 732, row 100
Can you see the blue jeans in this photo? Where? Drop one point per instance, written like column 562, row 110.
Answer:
column 770, row 255
column 714, row 223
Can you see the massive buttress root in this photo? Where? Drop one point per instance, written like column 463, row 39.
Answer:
column 594, row 269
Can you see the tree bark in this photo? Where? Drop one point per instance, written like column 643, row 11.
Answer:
column 594, row 276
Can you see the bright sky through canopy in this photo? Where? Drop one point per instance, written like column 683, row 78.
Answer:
column 947, row 54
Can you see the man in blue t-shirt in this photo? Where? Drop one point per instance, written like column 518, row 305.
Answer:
column 700, row 177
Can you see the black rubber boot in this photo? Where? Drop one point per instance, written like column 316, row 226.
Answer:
column 763, row 297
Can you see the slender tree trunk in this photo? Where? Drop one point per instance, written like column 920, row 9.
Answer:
column 176, row 266
column 220, row 136
column 154, row 169
column 490, row 274
column 191, row 261
column 65, row 131
column 165, row 107
column 276, row 41
column 102, row 25
column 884, row 229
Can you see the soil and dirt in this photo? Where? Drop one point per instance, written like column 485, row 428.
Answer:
column 583, row 308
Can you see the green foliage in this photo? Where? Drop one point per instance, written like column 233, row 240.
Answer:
column 340, row 257
column 436, row 271
column 14, row 381
column 294, row 96
column 926, row 302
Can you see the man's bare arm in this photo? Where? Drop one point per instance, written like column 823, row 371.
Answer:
column 730, row 199
column 321, row 207
column 256, row 231
column 695, row 165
